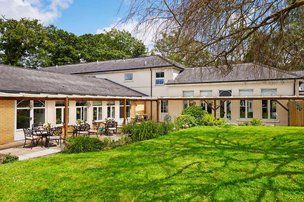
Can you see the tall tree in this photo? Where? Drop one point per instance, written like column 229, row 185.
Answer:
column 63, row 47
column 22, row 42
column 223, row 28
column 113, row 44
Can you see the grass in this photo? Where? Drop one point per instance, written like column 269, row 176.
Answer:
column 198, row 164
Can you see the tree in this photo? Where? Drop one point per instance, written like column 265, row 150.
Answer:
column 283, row 50
column 113, row 44
column 180, row 50
column 22, row 42
column 222, row 28
column 29, row 44
column 63, row 47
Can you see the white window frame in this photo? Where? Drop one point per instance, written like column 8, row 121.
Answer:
column 164, row 106
column 98, row 109
column 83, row 115
column 160, row 78
column 188, row 103
column 31, row 108
column 121, row 107
column 247, row 103
column 269, row 117
column 128, row 77
column 112, row 110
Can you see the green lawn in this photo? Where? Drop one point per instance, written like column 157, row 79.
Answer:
column 198, row 164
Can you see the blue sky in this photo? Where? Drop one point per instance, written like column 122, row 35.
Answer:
column 87, row 16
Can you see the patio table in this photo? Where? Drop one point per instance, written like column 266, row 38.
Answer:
column 44, row 133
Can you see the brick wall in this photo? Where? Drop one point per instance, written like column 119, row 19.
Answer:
column 7, row 121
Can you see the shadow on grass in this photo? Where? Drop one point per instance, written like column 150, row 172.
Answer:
column 213, row 164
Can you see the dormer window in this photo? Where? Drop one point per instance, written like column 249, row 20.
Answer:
column 129, row 77
column 160, row 78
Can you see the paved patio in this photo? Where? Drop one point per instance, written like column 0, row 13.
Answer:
column 17, row 149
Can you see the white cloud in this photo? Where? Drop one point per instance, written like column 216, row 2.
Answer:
column 33, row 9
column 147, row 34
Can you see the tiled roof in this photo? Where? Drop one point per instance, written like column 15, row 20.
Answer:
column 20, row 80
column 238, row 72
column 115, row 65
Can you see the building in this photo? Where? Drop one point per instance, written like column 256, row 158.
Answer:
column 152, row 85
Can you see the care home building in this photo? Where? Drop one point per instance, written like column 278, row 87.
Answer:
column 151, row 86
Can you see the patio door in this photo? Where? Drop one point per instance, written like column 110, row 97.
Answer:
column 225, row 106
column 28, row 113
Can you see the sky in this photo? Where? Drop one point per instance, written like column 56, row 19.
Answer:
column 76, row 16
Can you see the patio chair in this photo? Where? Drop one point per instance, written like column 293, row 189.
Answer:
column 111, row 126
column 83, row 129
column 56, row 135
column 28, row 135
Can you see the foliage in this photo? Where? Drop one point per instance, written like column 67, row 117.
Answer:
column 181, row 50
column 253, row 122
column 209, row 120
column 185, row 121
column 197, row 112
column 122, row 141
column 82, row 144
column 146, row 130
column 23, row 43
column 29, row 44
column 7, row 158
column 256, row 122
column 200, row 164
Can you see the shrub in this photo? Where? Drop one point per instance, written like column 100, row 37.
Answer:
column 253, row 122
column 219, row 122
column 146, row 130
column 256, row 122
column 83, row 144
column 185, row 121
column 8, row 158
column 197, row 112
column 208, row 120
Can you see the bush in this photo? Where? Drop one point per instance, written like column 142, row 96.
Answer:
column 8, row 158
column 209, row 120
column 219, row 122
column 253, row 122
column 83, row 144
column 185, row 121
column 146, row 130
column 256, row 122
column 197, row 112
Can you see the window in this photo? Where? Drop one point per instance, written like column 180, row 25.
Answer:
column 129, row 77
column 164, row 106
column 122, row 108
column 81, row 111
column 206, row 105
column 97, row 111
column 111, row 110
column 188, row 103
column 29, row 113
column 160, row 78
column 246, row 106
column 59, row 112
column 23, row 114
column 39, row 112
column 225, row 106
column 269, row 107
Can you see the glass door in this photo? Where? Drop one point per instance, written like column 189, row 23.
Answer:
column 28, row 113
